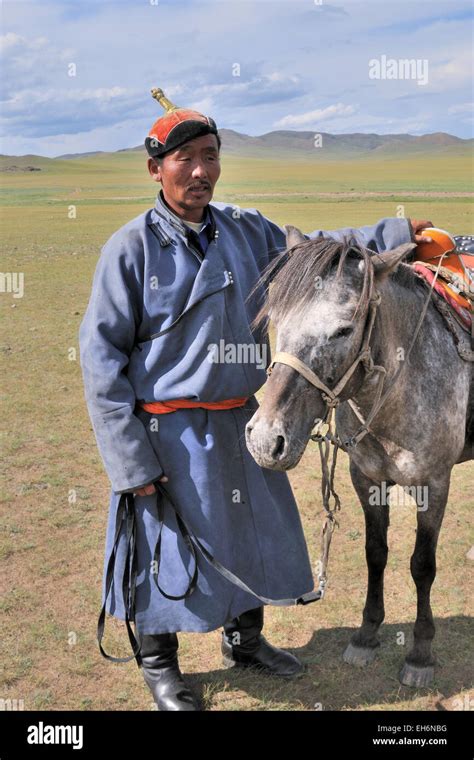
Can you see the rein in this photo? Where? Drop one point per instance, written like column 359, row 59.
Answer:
column 126, row 518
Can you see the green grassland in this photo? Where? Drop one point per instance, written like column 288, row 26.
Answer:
column 55, row 492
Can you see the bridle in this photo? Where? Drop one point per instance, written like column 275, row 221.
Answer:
column 332, row 397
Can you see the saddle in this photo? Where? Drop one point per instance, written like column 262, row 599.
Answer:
column 455, row 280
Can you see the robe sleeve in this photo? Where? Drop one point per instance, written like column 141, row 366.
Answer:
column 106, row 339
column 385, row 235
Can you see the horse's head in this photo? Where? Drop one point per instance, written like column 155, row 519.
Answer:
column 319, row 298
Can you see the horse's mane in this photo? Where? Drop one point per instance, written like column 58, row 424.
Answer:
column 293, row 273
column 404, row 275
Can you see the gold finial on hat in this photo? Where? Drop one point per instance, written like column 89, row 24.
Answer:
column 160, row 96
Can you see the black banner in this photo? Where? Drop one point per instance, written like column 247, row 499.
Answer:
column 376, row 734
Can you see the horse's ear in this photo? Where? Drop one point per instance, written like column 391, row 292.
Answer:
column 386, row 263
column 294, row 236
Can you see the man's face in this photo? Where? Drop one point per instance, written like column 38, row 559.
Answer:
column 188, row 176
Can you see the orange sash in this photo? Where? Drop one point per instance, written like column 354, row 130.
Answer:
column 165, row 407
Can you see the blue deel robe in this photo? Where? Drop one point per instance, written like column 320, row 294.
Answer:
column 155, row 309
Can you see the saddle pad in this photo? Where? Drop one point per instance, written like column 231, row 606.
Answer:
column 460, row 305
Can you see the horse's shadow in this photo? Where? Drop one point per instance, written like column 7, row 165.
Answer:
column 330, row 684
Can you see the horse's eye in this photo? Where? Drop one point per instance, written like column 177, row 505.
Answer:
column 343, row 332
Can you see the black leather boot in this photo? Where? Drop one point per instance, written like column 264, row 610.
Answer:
column 244, row 646
column 162, row 675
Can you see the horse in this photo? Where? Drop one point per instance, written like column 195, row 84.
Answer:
column 345, row 317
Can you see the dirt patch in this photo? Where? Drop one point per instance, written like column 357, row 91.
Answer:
column 365, row 194
column 20, row 169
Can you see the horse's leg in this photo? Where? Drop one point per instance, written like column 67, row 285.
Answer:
column 364, row 642
column 418, row 669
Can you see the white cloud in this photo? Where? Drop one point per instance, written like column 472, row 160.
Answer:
column 278, row 76
column 455, row 72
column 462, row 108
column 312, row 118
column 9, row 40
column 37, row 97
column 205, row 106
column 32, row 63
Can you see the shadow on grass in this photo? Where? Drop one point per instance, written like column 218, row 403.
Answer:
column 330, row 684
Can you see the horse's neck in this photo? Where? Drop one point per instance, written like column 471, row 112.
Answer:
column 394, row 327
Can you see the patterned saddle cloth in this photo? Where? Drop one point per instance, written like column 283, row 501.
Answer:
column 455, row 281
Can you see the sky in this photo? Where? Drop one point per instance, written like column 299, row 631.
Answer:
column 77, row 74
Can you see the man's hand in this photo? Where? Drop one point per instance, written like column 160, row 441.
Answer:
column 417, row 225
column 148, row 490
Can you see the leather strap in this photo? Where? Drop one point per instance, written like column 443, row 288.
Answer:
column 157, row 553
column 193, row 543
column 126, row 515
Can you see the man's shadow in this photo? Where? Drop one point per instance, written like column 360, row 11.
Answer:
column 328, row 683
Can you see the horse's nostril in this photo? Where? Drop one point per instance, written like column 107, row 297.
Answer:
column 279, row 447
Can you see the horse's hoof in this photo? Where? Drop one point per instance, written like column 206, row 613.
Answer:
column 360, row 656
column 415, row 675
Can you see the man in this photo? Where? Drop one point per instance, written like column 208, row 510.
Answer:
column 169, row 298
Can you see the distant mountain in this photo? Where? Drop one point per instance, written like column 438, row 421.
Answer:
column 26, row 163
column 354, row 145
column 345, row 145
column 302, row 145
column 82, row 155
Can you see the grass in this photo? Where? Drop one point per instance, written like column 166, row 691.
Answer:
column 55, row 494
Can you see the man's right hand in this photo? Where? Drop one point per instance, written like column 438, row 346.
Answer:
column 148, row 490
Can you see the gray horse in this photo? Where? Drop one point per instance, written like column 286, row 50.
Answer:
column 321, row 298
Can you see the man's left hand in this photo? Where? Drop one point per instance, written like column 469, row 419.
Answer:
column 417, row 227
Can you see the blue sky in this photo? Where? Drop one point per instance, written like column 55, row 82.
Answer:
column 302, row 64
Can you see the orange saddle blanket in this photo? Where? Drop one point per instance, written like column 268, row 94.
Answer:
column 455, row 281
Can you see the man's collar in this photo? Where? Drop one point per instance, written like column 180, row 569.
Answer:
column 165, row 211
column 163, row 208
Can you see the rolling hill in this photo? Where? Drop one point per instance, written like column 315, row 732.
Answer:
column 297, row 145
